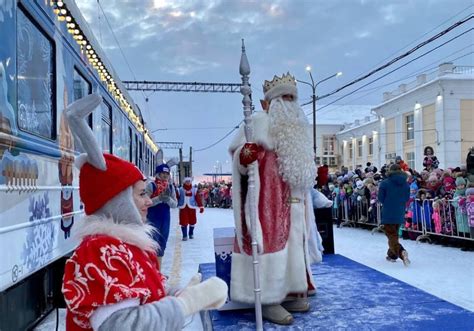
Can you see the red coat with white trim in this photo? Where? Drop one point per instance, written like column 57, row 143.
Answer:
column 106, row 270
column 187, row 211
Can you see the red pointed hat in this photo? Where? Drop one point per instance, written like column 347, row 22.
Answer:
column 96, row 186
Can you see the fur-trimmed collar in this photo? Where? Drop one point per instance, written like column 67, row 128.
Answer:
column 261, row 135
column 134, row 234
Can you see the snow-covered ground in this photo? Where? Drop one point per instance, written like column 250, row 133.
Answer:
column 445, row 272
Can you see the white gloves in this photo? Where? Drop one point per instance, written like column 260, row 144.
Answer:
column 359, row 198
column 210, row 294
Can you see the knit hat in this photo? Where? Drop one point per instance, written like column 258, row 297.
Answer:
column 460, row 181
column 96, row 187
column 470, row 191
column 432, row 178
column 162, row 168
column 359, row 184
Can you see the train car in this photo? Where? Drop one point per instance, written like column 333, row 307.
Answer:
column 48, row 59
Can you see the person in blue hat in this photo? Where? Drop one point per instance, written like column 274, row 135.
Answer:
column 159, row 214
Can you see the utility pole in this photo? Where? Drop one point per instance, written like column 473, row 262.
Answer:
column 181, row 167
column 313, row 86
column 190, row 161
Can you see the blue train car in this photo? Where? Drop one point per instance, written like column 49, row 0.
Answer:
column 48, row 59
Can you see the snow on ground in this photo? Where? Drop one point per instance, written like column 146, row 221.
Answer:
column 445, row 272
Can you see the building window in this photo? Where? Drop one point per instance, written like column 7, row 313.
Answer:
column 36, row 79
column 371, row 146
column 329, row 145
column 359, row 148
column 410, row 159
column 106, row 127
column 350, row 150
column 318, row 160
column 410, row 127
column 332, row 162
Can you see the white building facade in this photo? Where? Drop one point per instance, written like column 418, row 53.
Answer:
column 435, row 110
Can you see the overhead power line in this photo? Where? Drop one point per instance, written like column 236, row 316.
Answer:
column 402, row 56
column 381, row 86
column 214, row 144
column 122, row 52
column 424, row 34
column 397, row 68
column 428, row 69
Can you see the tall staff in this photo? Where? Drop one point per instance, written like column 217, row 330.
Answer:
column 247, row 102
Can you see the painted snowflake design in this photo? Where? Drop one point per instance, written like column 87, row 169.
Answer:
column 38, row 246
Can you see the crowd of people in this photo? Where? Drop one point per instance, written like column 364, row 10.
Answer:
column 114, row 278
column 216, row 195
column 441, row 200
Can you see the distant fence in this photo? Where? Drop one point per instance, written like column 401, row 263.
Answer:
column 424, row 218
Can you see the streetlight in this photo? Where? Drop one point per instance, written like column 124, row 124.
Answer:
column 313, row 97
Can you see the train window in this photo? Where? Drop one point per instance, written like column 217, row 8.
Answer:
column 130, row 149
column 106, row 127
column 82, row 88
column 36, row 78
column 141, row 155
column 136, row 150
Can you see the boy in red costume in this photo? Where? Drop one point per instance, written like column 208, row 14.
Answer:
column 112, row 281
column 188, row 201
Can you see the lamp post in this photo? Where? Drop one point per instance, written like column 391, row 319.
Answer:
column 314, row 98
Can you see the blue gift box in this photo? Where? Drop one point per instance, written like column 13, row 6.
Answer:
column 223, row 247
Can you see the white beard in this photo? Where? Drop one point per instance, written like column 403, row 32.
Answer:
column 289, row 129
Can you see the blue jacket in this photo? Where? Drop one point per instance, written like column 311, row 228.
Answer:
column 394, row 193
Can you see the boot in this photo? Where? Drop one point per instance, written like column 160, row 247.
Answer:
column 404, row 257
column 191, row 231
column 184, row 230
column 277, row 314
column 299, row 305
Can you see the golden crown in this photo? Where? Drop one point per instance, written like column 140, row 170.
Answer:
column 287, row 79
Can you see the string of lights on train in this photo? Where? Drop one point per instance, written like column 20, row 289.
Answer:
column 64, row 15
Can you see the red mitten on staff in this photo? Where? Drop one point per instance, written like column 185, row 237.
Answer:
column 250, row 153
column 201, row 210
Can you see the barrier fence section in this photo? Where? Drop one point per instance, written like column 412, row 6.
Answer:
column 424, row 218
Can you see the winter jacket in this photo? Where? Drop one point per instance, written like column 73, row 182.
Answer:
column 394, row 193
